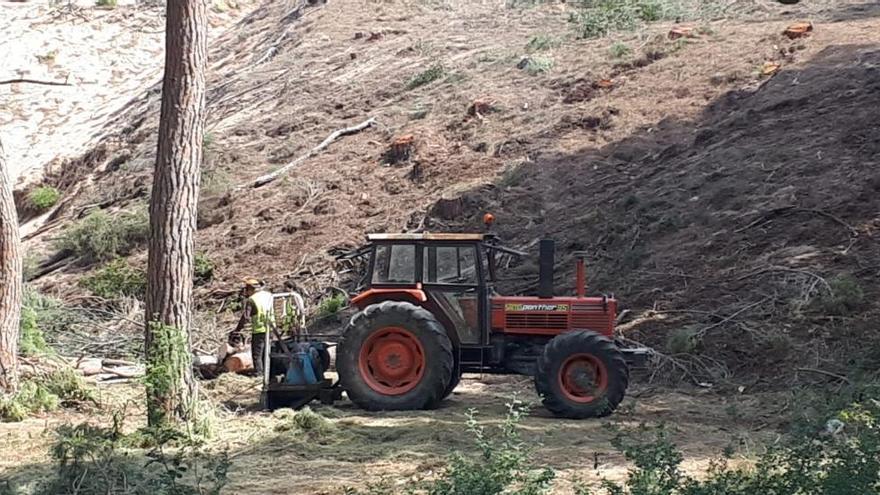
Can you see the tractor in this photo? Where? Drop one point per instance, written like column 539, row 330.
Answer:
column 429, row 312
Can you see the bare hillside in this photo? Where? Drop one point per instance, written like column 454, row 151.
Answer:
column 695, row 167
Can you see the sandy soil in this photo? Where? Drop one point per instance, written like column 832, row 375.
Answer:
column 368, row 447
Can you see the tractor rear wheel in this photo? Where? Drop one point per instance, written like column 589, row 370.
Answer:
column 581, row 375
column 395, row 355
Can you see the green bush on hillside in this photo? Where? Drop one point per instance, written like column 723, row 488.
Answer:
column 116, row 279
column 44, row 197
column 103, row 237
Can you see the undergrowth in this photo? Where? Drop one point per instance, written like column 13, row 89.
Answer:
column 46, row 393
column 44, row 197
column 116, row 279
column 93, row 460
column 103, row 237
column 504, row 465
column 427, row 76
column 331, row 305
column 203, row 269
column 597, row 18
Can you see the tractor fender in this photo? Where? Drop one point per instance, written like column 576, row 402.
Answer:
column 371, row 296
column 415, row 296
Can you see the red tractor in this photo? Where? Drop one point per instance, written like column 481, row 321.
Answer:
column 429, row 312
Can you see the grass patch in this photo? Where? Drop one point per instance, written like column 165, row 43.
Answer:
column 109, row 4
column 116, row 279
column 427, row 76
column 304, row 421
column 103, row 237
column 597, row 18
column 536, row 65
column 541, row 42
column 43, row 197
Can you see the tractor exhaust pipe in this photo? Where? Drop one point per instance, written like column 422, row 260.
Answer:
column 581, row 274
column 545, row 268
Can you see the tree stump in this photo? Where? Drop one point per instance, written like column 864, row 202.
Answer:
column 401, row 149
column 798, row 30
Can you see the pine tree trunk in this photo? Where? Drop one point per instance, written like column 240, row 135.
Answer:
column 171, row 391
column 10, row 281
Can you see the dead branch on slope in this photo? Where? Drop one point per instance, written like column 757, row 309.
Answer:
column 265, row 179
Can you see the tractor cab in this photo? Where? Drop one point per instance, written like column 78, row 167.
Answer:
column 447, row 272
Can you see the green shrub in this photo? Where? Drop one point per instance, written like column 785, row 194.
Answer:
column 45, row 393
column 103, row 237
column 106, row 3
column 116, row 279
column 31, row 398
column 842, row 460
column 331, row 305
column 31, row 341
column 42, row 316
column 68, row 385
column 619, row 50
column 203, row 268
column 44, row 197
column 427, row 76
column 682, row 340
column 844, row 297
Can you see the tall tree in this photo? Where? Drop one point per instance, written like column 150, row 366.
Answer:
column 10, row 281
column 171, row 391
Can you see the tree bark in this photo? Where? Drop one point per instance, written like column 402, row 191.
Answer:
column 10, row 282
column 173, row 215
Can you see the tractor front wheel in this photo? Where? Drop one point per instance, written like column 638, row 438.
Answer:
column 581, row 375
column 395, row 356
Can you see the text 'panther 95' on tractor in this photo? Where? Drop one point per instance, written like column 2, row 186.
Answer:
column 429, row 312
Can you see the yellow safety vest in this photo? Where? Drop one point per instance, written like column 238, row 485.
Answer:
column 263, row 301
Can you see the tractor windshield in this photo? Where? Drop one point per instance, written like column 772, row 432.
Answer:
column 395, row 264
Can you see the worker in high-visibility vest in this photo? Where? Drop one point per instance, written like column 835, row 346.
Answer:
column 259, row 313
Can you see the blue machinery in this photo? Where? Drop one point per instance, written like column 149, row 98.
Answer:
column 294, row 368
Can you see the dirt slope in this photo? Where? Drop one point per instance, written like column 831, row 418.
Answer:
column 755, row 223
column 616, row 155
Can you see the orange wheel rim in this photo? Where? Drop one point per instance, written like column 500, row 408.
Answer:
column 583, row 378
column 392, row 361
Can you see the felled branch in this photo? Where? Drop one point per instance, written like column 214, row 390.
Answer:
column 265, row 179
column 35, row 81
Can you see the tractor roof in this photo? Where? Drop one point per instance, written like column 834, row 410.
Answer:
column 427, row 236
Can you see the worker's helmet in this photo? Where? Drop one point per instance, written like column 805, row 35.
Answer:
column 252, row 282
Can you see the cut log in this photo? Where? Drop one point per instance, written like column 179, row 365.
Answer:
column 204, row 360
column 89, row 367
column 239, row 362
column 124, row 371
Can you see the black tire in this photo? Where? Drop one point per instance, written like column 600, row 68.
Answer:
column 456, row 379
column 420, row 323
column 589, row 345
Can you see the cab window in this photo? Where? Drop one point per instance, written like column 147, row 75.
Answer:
column 395, row 264
column 450, row 265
